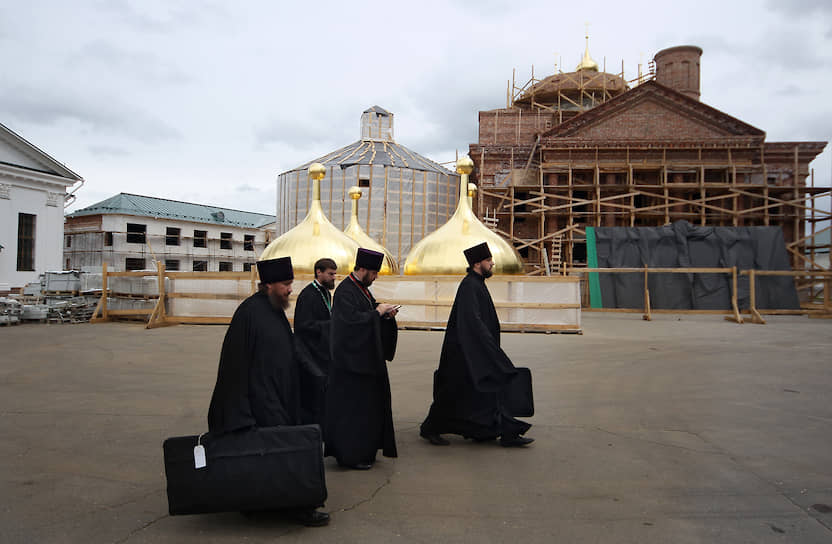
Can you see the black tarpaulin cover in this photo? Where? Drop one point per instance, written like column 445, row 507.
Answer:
column 682, row 245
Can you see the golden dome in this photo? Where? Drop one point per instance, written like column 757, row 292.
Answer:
column 587, row 63
column 315, row 237
column 441, row 251
column 354, row 231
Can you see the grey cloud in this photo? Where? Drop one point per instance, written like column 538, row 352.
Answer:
column 43, row 106
column 245, row 188
column 787, row 48
column 108, row 150
column 816, row 126
column 453, row 112
column 157, row 19
column 800, row 8
column 134, row 64
column 316, row 130
column 790, row 90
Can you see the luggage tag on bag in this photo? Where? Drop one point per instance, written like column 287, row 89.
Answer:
column 199, row 454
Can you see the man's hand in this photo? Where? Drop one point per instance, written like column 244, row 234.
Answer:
column 387, row 309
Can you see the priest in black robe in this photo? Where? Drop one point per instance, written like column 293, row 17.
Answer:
column 313, row 311
column 474, row 377
column 359, row 416
column 257, row 380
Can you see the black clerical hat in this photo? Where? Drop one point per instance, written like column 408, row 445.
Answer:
column 477, row 253
column 275, row 270
column 369, row 259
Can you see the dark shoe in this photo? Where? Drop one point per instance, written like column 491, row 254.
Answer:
column 515, row 441
column 435, row 439
column 357, row 466
column 310, row 517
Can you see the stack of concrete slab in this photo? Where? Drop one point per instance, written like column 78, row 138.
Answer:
column 35, row 312
column 10, row 311
column 64, row 281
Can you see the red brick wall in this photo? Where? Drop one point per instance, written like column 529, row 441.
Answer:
column 512, row 127
column 649, row 120
column 678, row 68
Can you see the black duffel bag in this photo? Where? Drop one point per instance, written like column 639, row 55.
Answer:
column 265, row 468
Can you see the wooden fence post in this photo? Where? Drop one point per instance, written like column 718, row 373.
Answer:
column 646, row 316
column 102, row 302
column 736, row 318
column 157, row 317
column 755, row 315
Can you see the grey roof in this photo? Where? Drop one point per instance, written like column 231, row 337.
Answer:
column 379, row 110
column 367, row 152
column 148, row 206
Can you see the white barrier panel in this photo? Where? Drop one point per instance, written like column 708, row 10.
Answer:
column 523, row 303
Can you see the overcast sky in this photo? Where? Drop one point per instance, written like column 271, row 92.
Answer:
column 209, row 101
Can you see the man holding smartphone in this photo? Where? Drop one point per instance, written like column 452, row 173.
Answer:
column 359, row 416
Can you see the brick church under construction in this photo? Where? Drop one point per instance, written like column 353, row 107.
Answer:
column 588, row 148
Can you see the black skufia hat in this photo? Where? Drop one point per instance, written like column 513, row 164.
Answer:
column 275, row 270
column 477, row 253
column 369, row 259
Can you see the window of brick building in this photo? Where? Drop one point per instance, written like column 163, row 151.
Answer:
column 26, row 242
column 225, row 266
column 172, row 264
column 579, row 252
column 132, row 263
column 172, row 236
column 68, row 241
column 247, row 267
column 200, row 266
column 200, row 238
column 136, row 233
column 108, row 238
column 225, row 240
column 248, row 242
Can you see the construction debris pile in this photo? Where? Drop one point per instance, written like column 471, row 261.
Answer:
column 59, row 297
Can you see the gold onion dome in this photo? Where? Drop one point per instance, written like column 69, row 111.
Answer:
column 441, row 251
column 314, row 237
column 586, row 62
column 354, row 231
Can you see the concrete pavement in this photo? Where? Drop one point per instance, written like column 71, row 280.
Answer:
column 683, row 429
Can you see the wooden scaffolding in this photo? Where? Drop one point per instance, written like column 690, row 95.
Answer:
column 543, row 205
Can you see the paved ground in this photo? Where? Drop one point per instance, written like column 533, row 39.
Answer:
column 684, row 429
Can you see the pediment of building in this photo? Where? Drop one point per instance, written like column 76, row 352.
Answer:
column 18, row 153
column 653, row 112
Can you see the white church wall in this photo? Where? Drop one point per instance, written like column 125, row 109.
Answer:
column 46, row 204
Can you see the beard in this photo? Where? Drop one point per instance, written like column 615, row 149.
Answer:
column 366, row 280
column 278, row 302
column 329, row 284
column 487, row 273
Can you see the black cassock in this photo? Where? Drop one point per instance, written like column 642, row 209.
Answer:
column 312, row 326
column 474, row 372
column 359, row 417
column 257, row 381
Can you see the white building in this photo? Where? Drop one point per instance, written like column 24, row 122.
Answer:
column 33, row 190
column 130, row 232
